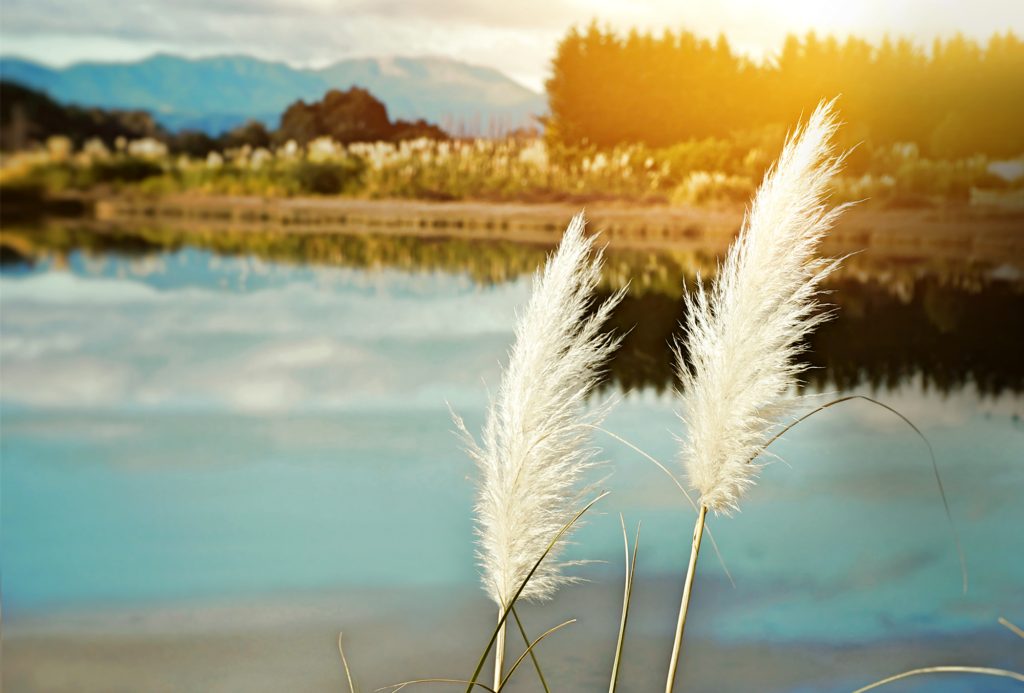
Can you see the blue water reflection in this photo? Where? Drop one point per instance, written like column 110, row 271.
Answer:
column 185, row 428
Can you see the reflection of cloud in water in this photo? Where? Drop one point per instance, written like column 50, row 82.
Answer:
column 240, row 438
column 851, row 528
column 324, row 338
column 31, row 346
column 57, row 288
column 67, row 382
column 904, row 309
column 310, row 345
column 147, row 265
column 913, row 401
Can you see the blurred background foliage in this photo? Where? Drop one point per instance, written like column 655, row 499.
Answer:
column 957, row 99
column 639, row 118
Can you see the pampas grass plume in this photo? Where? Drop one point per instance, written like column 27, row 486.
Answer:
column 535, row 453
column 744, row 334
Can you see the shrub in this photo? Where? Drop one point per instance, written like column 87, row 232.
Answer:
column 701, row 187
column 122, row 170
column 329, row 177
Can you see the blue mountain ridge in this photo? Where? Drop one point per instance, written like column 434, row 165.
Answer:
column 217, row 93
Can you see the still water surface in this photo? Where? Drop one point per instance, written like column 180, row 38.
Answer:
column 197, row 443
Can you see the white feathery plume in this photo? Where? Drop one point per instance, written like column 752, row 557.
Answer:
column 535, row 451
column 535, row 442
column 743, row 336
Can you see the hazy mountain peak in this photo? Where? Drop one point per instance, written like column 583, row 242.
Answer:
column 215, row 93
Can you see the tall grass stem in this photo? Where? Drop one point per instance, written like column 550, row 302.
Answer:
column 529, row 650
column 627, row 593
column 494, row 635
column 533, row 655
column 698, row 533
column 499, row 649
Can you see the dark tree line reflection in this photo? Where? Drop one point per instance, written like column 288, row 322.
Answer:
column 945, row 336
column 947, row 326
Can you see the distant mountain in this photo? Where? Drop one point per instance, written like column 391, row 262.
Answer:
column 216, row 94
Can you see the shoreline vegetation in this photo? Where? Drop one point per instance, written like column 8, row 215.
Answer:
column 957, row 240
column 926, row 128
column 710, row 173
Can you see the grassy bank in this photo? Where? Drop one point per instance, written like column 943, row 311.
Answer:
column 710, row 172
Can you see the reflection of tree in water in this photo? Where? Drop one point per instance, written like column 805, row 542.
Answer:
column 486, row 262
column 947, row 327
column 945, row 336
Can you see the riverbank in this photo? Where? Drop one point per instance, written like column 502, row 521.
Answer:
column 291, row 644
column 954, row 232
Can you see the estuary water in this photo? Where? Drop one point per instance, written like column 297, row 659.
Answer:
column 214, row 460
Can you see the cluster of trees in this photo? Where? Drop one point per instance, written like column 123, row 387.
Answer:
column 955, row 99
column 349, row 116
column 28, row 116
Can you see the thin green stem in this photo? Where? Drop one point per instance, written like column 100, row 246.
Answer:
column 344, row 662
column 698, row 532
column 499, row 649
column 1013, row 628
column 529, row 650
column 682, row 489
column 533, row 656
column 627, row 592
column 985, row 671
column 395, row 687
column 931, row 454
column 494, row 635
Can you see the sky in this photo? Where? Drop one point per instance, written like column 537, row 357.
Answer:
column 517, row 38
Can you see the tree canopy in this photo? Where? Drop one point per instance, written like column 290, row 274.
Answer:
column 957, row 98
column 29, row 116
column 349, row 116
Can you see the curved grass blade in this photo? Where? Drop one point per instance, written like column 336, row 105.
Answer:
column 682, row 489
column 494, row 635
column 395, row 687
column 931, row 454
column 533, row 656
column 627, row 593
column 344, row 662
column 529, row 650
column 1012, row 627
column 985, row 671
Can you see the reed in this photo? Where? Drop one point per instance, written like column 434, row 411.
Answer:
column 534, row 454
column 739, row 372
column 627, row 593
column 952, row 669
